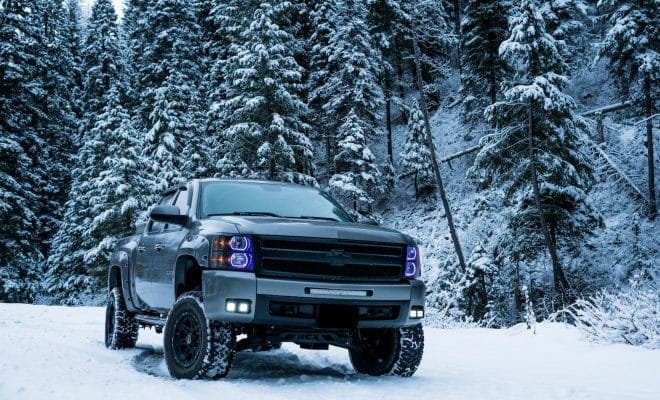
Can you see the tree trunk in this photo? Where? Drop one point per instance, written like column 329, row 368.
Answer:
column 328, row 155
column 457, row 27
column 653, row 208
column 561, row 284
column 388, row 123
column 600, row 128
column 436, row 167
column 399, row 73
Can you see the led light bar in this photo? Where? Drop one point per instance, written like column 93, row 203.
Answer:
column 338, row 292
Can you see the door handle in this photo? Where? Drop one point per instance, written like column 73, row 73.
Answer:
column 141, row 249
column 159, row 246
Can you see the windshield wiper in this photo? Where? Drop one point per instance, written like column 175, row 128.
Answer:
column 314, row 217
column 247, row 213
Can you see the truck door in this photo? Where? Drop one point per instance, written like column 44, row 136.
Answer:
column 167, row 249
column 144, row 262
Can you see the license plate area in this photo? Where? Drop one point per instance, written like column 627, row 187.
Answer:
column 338, row 316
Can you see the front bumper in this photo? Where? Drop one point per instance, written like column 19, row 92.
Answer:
column 335, row 298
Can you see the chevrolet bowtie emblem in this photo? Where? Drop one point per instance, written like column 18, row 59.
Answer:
column 337, row 253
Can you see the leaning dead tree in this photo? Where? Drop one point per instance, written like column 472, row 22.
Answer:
column 598, row 114
column 434, row 160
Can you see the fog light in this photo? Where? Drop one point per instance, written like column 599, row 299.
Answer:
column 241, row 306
column 416, row 312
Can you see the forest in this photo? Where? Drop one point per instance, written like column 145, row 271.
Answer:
column 514, row 139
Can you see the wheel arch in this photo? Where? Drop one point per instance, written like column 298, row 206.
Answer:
column 187, row 275
column 114, row 277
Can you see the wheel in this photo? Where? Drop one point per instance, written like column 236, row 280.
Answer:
column 194, row 346
column 121, row 327
column 388, row 351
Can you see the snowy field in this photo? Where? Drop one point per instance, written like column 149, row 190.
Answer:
column 58, row 353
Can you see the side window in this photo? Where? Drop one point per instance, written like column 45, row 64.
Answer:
column 182, row 200
column 155, row 227
column 167, row 199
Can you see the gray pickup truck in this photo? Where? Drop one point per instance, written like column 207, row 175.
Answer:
column 264, row 262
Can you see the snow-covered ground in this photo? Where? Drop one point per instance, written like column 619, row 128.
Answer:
column 58, row 353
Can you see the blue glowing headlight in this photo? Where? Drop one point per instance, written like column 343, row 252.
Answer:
column 241, row 261
column 413, row 266
column 232, row 252
column 240, row 243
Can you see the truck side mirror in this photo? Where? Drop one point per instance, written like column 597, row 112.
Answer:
column 168, row 214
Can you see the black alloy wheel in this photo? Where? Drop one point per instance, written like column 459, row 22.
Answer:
column 187, row 340
column 194, row 346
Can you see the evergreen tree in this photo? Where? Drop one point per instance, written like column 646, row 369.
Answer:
column 68, row 274
column 358, row 178
column 109, row 186
column 170, row 94
column 633, row 49
column 484, row 27
column 72, row 38
column 536, row 155
column 60, row 66
column 565, row 21
column 116, row 188
column 415, row 158
column 136, row 34
column 265, row 135
column 103, row 60
column 344, row 81
column 23, row 120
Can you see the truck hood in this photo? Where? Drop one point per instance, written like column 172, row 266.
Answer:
column 269, row 226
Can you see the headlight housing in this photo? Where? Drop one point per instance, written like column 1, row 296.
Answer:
column 234, row 252
column 413, row 268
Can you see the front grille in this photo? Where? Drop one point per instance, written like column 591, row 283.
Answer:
column 330, row 260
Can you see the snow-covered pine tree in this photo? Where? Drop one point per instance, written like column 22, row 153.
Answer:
column 357, row 179
column 387, row 25
column 265, row 135
column 345, row 74
column 565, row 20
column 415, row 158
column 485, row 26
column 23, row 119
column 103, row 63
column 135, row 32
column 430, row 25
column 60, row 66
column 535, row 156
column 171, row 102
column 72, row 38
column 221, row 27
column 117, row 186
column 67, row 273
column 109, row 186
column 632, row 46
column 322, row 22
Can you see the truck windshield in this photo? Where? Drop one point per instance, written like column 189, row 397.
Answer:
column 266, row 199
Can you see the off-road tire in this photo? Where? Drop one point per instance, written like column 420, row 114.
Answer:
column 395, row 352
column 196, row 347
column 121, row 327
